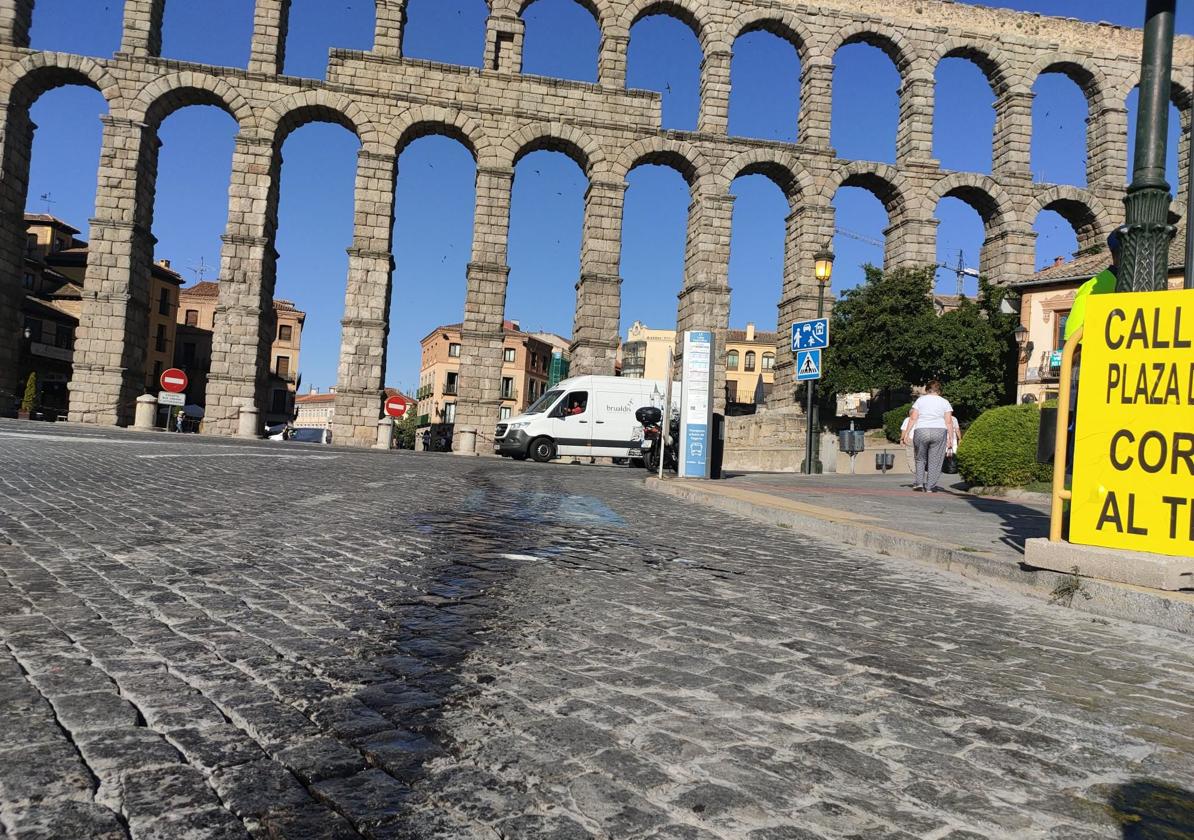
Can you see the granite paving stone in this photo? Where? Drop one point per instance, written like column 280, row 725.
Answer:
column 205, row 638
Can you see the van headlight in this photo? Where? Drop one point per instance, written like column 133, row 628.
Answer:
column 521, row 425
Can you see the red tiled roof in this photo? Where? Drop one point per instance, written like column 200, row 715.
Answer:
column 45, row 218
column 1087, row 265
column 739, row 337
column 204, row 288
column 314, row 399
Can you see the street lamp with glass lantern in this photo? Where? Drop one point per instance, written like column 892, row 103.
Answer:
column 823, row 270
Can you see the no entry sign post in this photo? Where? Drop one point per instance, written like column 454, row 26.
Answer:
column 174, row 382
column 396, row 407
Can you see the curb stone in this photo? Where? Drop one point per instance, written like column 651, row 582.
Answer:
column 1173, row 611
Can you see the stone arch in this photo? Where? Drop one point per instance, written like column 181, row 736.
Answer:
column 898, row 48
column 1085, row 213
column 290, row 114
column 555, row 137
column 991, row 62
column 689, row 12
column 1081, row 70
column 879, row 179
column 1179, row 93
column 22, row 82
column 781, row 168
column 782, row 24
column 980, row 192
column 599, row 9
column 167, row 94
column 680, row 155
column 426, row 120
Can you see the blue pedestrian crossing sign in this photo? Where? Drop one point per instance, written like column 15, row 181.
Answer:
column 808, row 365
column 810, row 335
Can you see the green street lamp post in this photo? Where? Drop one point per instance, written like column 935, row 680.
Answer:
column 823, row 262
column 1145, row 262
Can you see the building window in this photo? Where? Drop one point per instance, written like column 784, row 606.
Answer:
column 28, row 280
column 59, row 244
column 509, row 355
column 285, row 332
column 732, row 360
column 283, row 367
column 62, row 337
column 1059, row 319
column 453, row 351
column 504, row 412
column 449, row 412
column 507, row 387
column 160, row 339
column 164, row 302
column 450, row 383
column 278, row 402
column 750, row 360
column 768, row 361
column 30, row 242
column 188, row 354
column 731, row 390
column 192, row 317
column 157, row 372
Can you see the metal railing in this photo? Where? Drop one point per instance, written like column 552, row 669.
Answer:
column 1061, row 451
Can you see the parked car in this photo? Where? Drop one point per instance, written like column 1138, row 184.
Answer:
column 294, row 435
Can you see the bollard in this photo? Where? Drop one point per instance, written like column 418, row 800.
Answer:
column 247, row 427
column 147, row 412
column 385, row 433
column 468, row 442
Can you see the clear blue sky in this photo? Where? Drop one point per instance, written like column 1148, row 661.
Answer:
column 433, row 226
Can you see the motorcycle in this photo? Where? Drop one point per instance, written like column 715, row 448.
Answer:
column 653, row 445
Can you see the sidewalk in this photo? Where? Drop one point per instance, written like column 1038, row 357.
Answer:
column 978, row 537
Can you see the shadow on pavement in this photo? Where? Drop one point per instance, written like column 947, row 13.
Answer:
column 1152, row 810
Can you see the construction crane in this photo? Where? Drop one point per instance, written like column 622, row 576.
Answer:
column 961, row 271
column 851, row 234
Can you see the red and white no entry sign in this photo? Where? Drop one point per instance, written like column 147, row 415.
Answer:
column 174, row 381
column 396, row 406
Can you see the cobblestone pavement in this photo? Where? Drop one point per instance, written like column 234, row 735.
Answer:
column 209, row 639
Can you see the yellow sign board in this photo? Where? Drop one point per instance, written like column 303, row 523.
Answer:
column 1134, row 442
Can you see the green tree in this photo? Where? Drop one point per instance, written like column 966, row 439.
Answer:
column 32, row 396
column 879, row 330
column 405, row 430
column 886, row 336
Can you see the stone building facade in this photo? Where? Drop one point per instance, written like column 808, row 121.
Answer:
column 525, row 364
column 198, row 317
column 502, row 115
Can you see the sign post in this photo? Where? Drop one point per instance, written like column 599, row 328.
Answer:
column 696, row 404
column 174, row 382
column 396, row 407
column 809, row 338
column 1134, row 445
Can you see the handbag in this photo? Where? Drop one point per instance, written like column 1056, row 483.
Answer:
column 950, row 465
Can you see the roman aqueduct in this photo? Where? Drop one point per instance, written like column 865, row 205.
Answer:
column 501, row 115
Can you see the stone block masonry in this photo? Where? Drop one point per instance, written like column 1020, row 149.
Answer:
column 501, row 115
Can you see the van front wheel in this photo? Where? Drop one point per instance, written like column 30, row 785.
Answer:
column 543, row 449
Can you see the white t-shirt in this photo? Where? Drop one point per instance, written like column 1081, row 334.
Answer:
column 931, row 410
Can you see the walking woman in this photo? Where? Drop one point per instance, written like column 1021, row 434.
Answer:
column 932, row 421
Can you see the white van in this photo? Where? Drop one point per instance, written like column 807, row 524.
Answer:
column 582, row 416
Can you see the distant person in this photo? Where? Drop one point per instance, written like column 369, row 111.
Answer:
column 909, row 447
column 931, row 427
column 178, row 422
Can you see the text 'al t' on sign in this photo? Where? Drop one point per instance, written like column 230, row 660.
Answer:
column 1134, row 442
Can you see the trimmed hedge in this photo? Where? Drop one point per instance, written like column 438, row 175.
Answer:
column 999, row 448
column 892, row 420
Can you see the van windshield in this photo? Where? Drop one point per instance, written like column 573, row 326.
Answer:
column 544, row 402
